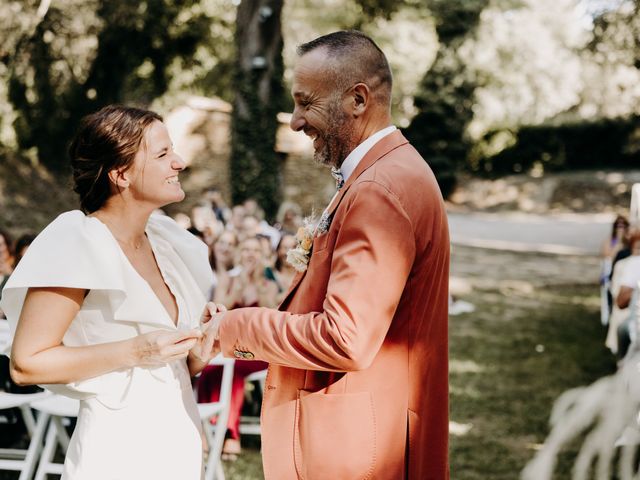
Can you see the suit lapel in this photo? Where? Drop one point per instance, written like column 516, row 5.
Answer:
column 294, row 284
column 379, row 150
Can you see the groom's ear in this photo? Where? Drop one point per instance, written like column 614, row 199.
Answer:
column 361, row 95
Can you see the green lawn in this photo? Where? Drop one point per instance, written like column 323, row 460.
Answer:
column 509, row 360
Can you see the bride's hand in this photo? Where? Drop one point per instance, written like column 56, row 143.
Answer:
column 208, row 346
column 161, row 347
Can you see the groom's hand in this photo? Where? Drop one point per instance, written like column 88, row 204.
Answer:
column 209, row 345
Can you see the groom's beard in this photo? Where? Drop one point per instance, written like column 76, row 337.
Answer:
column 336, row 140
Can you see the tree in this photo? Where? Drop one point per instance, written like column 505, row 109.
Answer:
column 611, row 64
column 83, row 55
column 259, row 95
column 446, row 96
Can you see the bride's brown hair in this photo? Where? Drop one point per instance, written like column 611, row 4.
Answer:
column 106, row 140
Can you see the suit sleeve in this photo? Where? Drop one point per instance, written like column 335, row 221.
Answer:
column 371, row 262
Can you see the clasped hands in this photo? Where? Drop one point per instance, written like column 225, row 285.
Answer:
column 161, row 347
column 208, row 345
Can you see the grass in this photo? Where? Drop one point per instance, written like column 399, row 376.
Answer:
column 248, row 465
column 526, row 350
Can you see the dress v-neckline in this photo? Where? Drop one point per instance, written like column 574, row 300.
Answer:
column 144, row 280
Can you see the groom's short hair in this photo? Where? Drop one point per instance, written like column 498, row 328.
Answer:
column 355, row 58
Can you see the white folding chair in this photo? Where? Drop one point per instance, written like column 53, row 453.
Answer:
column 52, row 411
column 251, row 425
column 220, row 409
column 16, row 459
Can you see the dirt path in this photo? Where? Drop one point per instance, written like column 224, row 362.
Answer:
column 572, row 234
column 486, row 269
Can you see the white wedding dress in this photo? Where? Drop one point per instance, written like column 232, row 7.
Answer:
column 133, row 424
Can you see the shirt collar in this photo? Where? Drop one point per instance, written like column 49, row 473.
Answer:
column 353, row 159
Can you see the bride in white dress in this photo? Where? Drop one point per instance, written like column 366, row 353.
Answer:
column 105, row 306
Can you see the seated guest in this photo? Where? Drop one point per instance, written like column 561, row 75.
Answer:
column 628, row 297
column 628, row 281
column 6, row 384
column 612, row 245
column 222, row 259
column 619, row 315
column 289, row 217
column 250, row 287
column 237, row 217
column 284, row 272
column 213, row 195
column 6, row 254
column 614, row 249
column 6, row 261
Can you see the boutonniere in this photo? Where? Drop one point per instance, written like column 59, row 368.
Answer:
column 298, row 257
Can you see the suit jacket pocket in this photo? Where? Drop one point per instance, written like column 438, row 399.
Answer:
column 335, row 435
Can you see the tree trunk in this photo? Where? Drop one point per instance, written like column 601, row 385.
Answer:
column 259, row 92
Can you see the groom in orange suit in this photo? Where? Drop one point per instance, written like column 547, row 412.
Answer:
column 358, row 378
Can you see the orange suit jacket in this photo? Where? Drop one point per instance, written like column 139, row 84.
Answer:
column 358, row 378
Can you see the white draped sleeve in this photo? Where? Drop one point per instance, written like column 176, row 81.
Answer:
column 76, row 251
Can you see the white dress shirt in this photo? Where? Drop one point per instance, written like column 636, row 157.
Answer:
column 357, row 154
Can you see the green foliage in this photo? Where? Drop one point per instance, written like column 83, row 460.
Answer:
column 455, row 19
column 445, row 99
column 50, row 89
column 379, row 8
column 618, row 31
column 587, row 145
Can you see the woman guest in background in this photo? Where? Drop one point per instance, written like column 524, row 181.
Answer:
column 105, row 303
column 284, row 271
column 618, row 335
column 222, row 259
column 248, row 288
column 22, row 244
column 613, row 249
column 617, row 240
column 289, row 217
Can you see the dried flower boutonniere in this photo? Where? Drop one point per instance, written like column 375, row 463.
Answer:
column 298, row 257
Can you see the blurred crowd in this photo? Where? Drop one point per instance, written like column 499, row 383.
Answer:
column 246, row 253
column 620, row 281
